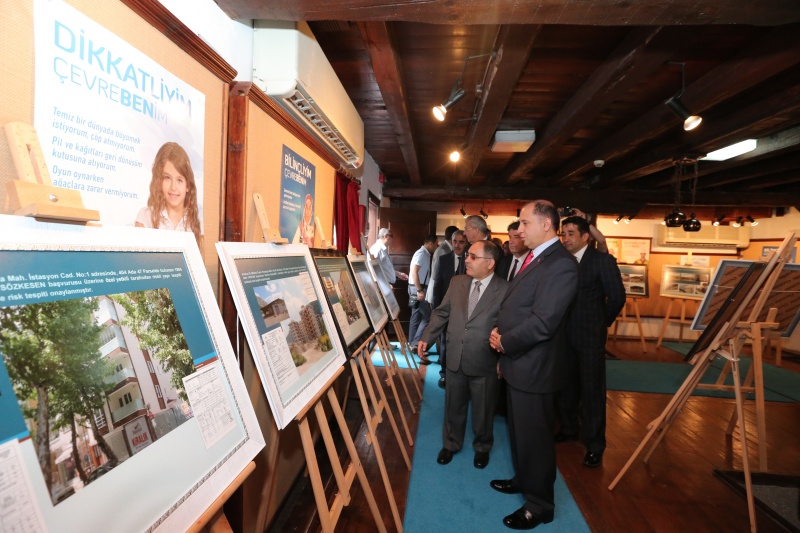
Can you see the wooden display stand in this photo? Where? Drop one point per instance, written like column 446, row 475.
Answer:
column 213, row 519
column 385, row 349
column 328, row 517
column 363, row 370
column 734, row 334
column 682, row 321
column 270, row 234
column 33, row 193
column 636, row 319
column 405, row 349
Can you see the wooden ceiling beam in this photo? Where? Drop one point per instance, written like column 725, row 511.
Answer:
column 591, row 200
column 774, row 53
column 778, row 165
column 759, row 118
column 381, row 45
column 512, row 49
column 633, row 59
column 596, row 13
column 775, row 180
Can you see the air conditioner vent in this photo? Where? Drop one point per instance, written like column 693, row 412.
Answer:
column 722, row 239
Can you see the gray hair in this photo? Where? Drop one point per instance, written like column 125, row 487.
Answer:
column 478, row 223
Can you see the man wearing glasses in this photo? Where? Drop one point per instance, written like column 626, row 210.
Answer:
column 469, row 312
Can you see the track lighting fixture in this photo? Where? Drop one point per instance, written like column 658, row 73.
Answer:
column 628, row 220
column 463, row 213
column 519, row 211
column 718, row 221
column 457, row 92
column 690, row 121
column 737, row 223
column 616, row 220
column 483, row 213
column 692, row 224
column 455, row 156
column 751, row 220
column 675, row 219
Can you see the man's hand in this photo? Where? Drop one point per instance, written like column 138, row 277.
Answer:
column 420, row 294
column 422, row 346
column 494, row 341
column 401, row 275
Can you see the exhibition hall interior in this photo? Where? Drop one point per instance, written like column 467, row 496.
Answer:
column 399, row 266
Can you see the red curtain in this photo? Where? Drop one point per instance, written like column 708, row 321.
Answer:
column 347, row 214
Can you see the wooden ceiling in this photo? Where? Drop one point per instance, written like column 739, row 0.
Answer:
column 590, row 77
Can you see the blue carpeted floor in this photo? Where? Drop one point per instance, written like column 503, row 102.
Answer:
column 457, row 497
column 780, row 385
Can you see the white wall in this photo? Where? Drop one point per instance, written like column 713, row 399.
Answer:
column 231, row 39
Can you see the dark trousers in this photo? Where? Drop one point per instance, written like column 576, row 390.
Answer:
column 460, row 391
column 418, row 322
column 442, row 347
column 584, row 393
column 531, row 419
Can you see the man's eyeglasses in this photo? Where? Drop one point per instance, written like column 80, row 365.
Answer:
column 474, row 257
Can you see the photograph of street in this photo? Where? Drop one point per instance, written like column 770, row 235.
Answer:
column 97, row 380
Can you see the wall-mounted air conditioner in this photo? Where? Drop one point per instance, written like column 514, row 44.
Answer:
column 289, row 66
column 719, row 239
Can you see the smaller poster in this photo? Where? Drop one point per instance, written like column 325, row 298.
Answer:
column 297, row 198
column 634, row 279
column 629, row 251
column 340, row 289
column 385, row 287
column 370, row 293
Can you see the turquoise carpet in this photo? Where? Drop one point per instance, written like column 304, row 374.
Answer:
column 666, row 378
column 377, row 360
column 457, row 497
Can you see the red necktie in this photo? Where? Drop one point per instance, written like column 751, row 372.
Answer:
column 526, row 263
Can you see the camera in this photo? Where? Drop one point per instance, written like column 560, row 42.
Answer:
column 565, row 212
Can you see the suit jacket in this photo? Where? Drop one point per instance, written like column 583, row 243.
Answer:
column 445, row 270
column 532, row 319
column 505, row 265
column 468, row 339
column 600, row 298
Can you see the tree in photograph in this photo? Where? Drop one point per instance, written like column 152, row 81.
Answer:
column 151, row 316
column 42, row 344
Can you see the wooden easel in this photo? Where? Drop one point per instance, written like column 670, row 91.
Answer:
column 363, row 369
column 385, row 350
column 735, row 334
column 634, row 301
column 270, row 234
column 32, row 193
column 682, row 321
column 328, row 517
column 323, row 243
column 405, row 349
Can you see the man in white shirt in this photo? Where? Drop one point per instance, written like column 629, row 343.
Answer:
column 418, row 278
column 380, row 250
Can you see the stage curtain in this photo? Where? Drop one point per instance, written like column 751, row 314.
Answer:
column 347, row 214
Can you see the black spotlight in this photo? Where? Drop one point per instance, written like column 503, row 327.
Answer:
column 692, row 224
column 675, row 219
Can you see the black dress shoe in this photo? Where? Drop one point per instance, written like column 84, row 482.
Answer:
column 445, row 456
column 441, row 383
column 592, row 459
column 506, row 486
column 564, row 437
column 524, row 519
column 481, row 459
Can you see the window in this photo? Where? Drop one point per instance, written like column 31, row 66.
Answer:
column 151, row 367
column 158, row 391
column 121, row 403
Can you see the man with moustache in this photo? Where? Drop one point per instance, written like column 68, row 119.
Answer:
column 530, row 336
column 600, row 298
column 449, row 265
column 469, row 312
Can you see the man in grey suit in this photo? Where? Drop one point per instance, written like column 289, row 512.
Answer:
column 469, row 311
column 530, row 336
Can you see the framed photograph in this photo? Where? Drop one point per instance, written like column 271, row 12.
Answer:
column 343, row 297
column 785, row 295
column 386, row 289
column 107, row 336
column 370, row 293
column 687, row 282
column 634, row 278
column 286, row 320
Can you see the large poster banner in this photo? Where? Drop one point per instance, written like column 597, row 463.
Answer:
column 103, row 110
column 297, row 198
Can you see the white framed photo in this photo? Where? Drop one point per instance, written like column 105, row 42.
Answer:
column 370, row 292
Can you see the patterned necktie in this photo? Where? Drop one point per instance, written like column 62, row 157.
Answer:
column 527, row 262
column 474, row 296
column 513, row 270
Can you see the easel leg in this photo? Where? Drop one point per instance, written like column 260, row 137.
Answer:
column 664, row 324
column 761, row 418
column 389, row 356
column 314, row 476
column 639, row 323
column 410, row 360
column 743, row 443
column 390, row 382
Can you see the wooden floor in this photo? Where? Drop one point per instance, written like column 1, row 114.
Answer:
column 675, row 492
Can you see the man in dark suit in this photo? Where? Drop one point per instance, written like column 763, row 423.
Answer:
column 600, row 298
column 530, row 337
column 469, row 311
column 449, row 265
column 511, row 263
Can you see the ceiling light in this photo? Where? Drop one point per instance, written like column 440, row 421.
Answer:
column 463, row 213
column 751, row 220
column 718, row 221
column 483, row 213
column 675, row 219
column 616, row 220
column 455, row 155
column 513, row 141
column 628, row 220
column 675, row 105
column 519, row 211
column 732, row 151
column 455, row 95
column 737, row 223
column 692, row 224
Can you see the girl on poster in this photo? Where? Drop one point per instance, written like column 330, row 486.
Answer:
column 305, row 231
column 172, row 204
